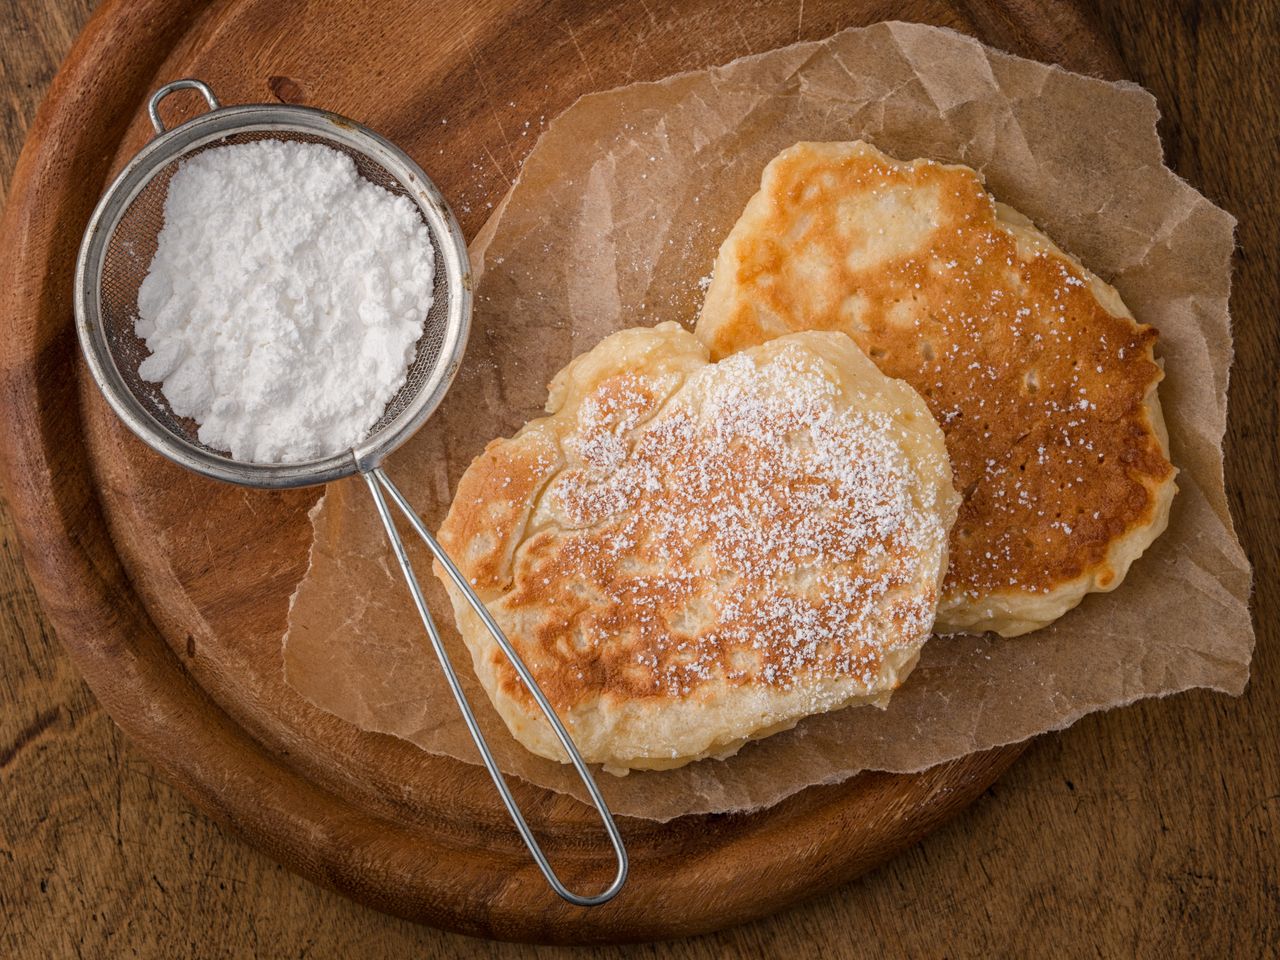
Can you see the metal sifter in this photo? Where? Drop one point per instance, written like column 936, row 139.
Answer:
column 114, row 258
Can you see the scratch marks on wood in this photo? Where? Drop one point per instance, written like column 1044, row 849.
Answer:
column 577, row 46
column 489, row 153
column 491, row 100
column 639, row 38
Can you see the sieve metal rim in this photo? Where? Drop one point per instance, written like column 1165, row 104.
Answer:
column 216, row 124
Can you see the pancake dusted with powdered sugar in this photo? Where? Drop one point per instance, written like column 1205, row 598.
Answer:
column 1042, row 380
column 689, row 555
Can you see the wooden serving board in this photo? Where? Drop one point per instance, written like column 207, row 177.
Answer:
column 171, row 592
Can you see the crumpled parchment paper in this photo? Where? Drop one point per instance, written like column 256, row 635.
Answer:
column 615, row 218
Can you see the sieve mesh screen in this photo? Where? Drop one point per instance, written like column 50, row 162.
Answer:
column 132, row 245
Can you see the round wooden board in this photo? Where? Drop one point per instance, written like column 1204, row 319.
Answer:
column 171, row 592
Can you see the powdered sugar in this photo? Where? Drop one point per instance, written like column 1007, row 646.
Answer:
column 790, row 516
column 285, row 299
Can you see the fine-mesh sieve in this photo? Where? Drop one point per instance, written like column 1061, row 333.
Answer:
column 114, row 258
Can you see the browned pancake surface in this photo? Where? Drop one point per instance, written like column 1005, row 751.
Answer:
column 1042, row 391
column 690, row 554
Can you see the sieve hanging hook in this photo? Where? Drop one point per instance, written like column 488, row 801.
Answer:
column 153, row 106
column 109, row 270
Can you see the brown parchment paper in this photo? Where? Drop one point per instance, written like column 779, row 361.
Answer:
column 615, row 218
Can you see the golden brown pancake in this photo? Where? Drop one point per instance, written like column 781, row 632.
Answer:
column 1042, row 380
column 689, row 555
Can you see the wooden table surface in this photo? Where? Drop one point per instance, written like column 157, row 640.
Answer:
column 1153, row 830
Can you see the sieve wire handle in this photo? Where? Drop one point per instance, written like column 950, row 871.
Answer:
column 153, row 108
column 378, row 481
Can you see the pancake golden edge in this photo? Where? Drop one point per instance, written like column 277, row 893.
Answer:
column 691, row 555
column 1043, row 381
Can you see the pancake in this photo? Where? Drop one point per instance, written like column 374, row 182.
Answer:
column 691, row 555
column 1042, row 380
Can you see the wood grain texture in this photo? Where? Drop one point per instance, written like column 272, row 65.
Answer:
column 1168, row 809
